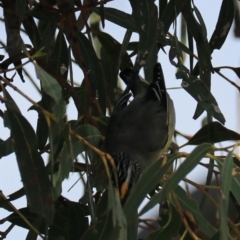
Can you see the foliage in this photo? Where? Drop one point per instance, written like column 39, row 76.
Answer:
column 59, row 41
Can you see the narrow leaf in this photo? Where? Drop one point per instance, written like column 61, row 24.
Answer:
column 49, row 84
column 189, row 204
column 199, row 91
column 170, row 230
column 145, row 15
column 226, row 181
column 147, row 182
column 191, row 161
column 118, row 17
column 224, row 24
column 93, row 70
column 6, row 147
column 171, row 12
column 60, row 57
column 212, row 133
column 31, row 166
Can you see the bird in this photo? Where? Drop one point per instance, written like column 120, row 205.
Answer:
column 141, row 130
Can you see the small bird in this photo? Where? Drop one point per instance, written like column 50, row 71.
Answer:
column 139, row 132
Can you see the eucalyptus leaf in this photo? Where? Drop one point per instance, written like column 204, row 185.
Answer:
column 212, row 133
column 31, row 166
column 191, row 161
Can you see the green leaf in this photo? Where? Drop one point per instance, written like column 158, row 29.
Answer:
column 31, row 166
column 5, row 205
column 110, row 74
column 17, row 220
column 6, row 147
column 146, row 19
column 32, row 32
column 171, row 12
column 199, row 91
column 190, row 205
column 111, row 222
column 224, row 24
column 49, row 84
column 235, row 184
column 42, row 125
column 118, row 17
column 235, row 178
column 52, row 88
column 68, row 215
column 191, row 161
column 226, row 183
column 93, row 70
column 70, row 221
column 201, row 21
column 48, row 38
column 60, row 57
column 18, row 194
column 105, row 230
column 147, row 182
column 169, row 230
column 21, row 7
column 71, row 149
column 204, row 54
column 14, row 41
column 162, row 6
column 113, row 48
column 10, row 102
column 212, row 133
column 45, row 14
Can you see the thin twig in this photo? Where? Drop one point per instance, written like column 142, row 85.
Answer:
column 223, row 76
column 45, row 112
column 21, row 215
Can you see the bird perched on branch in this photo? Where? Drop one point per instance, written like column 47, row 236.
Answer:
column 139, row 132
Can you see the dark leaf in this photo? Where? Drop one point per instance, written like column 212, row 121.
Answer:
column 6, row 147
column 32, row 32
column 14, row 40
column 70, row 221
column 169, row 230
column 48, row 37
column 118, row 17
column 21, row 7
column 52, row 88
column 113, row 48
column 162, row 6
column 199, row 91
column 31, row 166
column 111, row 222
column 110, row 75
column 146, row 19
column 146, row 183
column 11, row 103
column 226, row 183
column 212, row 133
column 17, row 220
column 189, row 204
column 224, row 24
column 93, row 71
column 171, row 12
column 45, row 14
column 60, row 57
column 204, row 53
column 71, row 149
column 191, row 161
column 18, row 194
